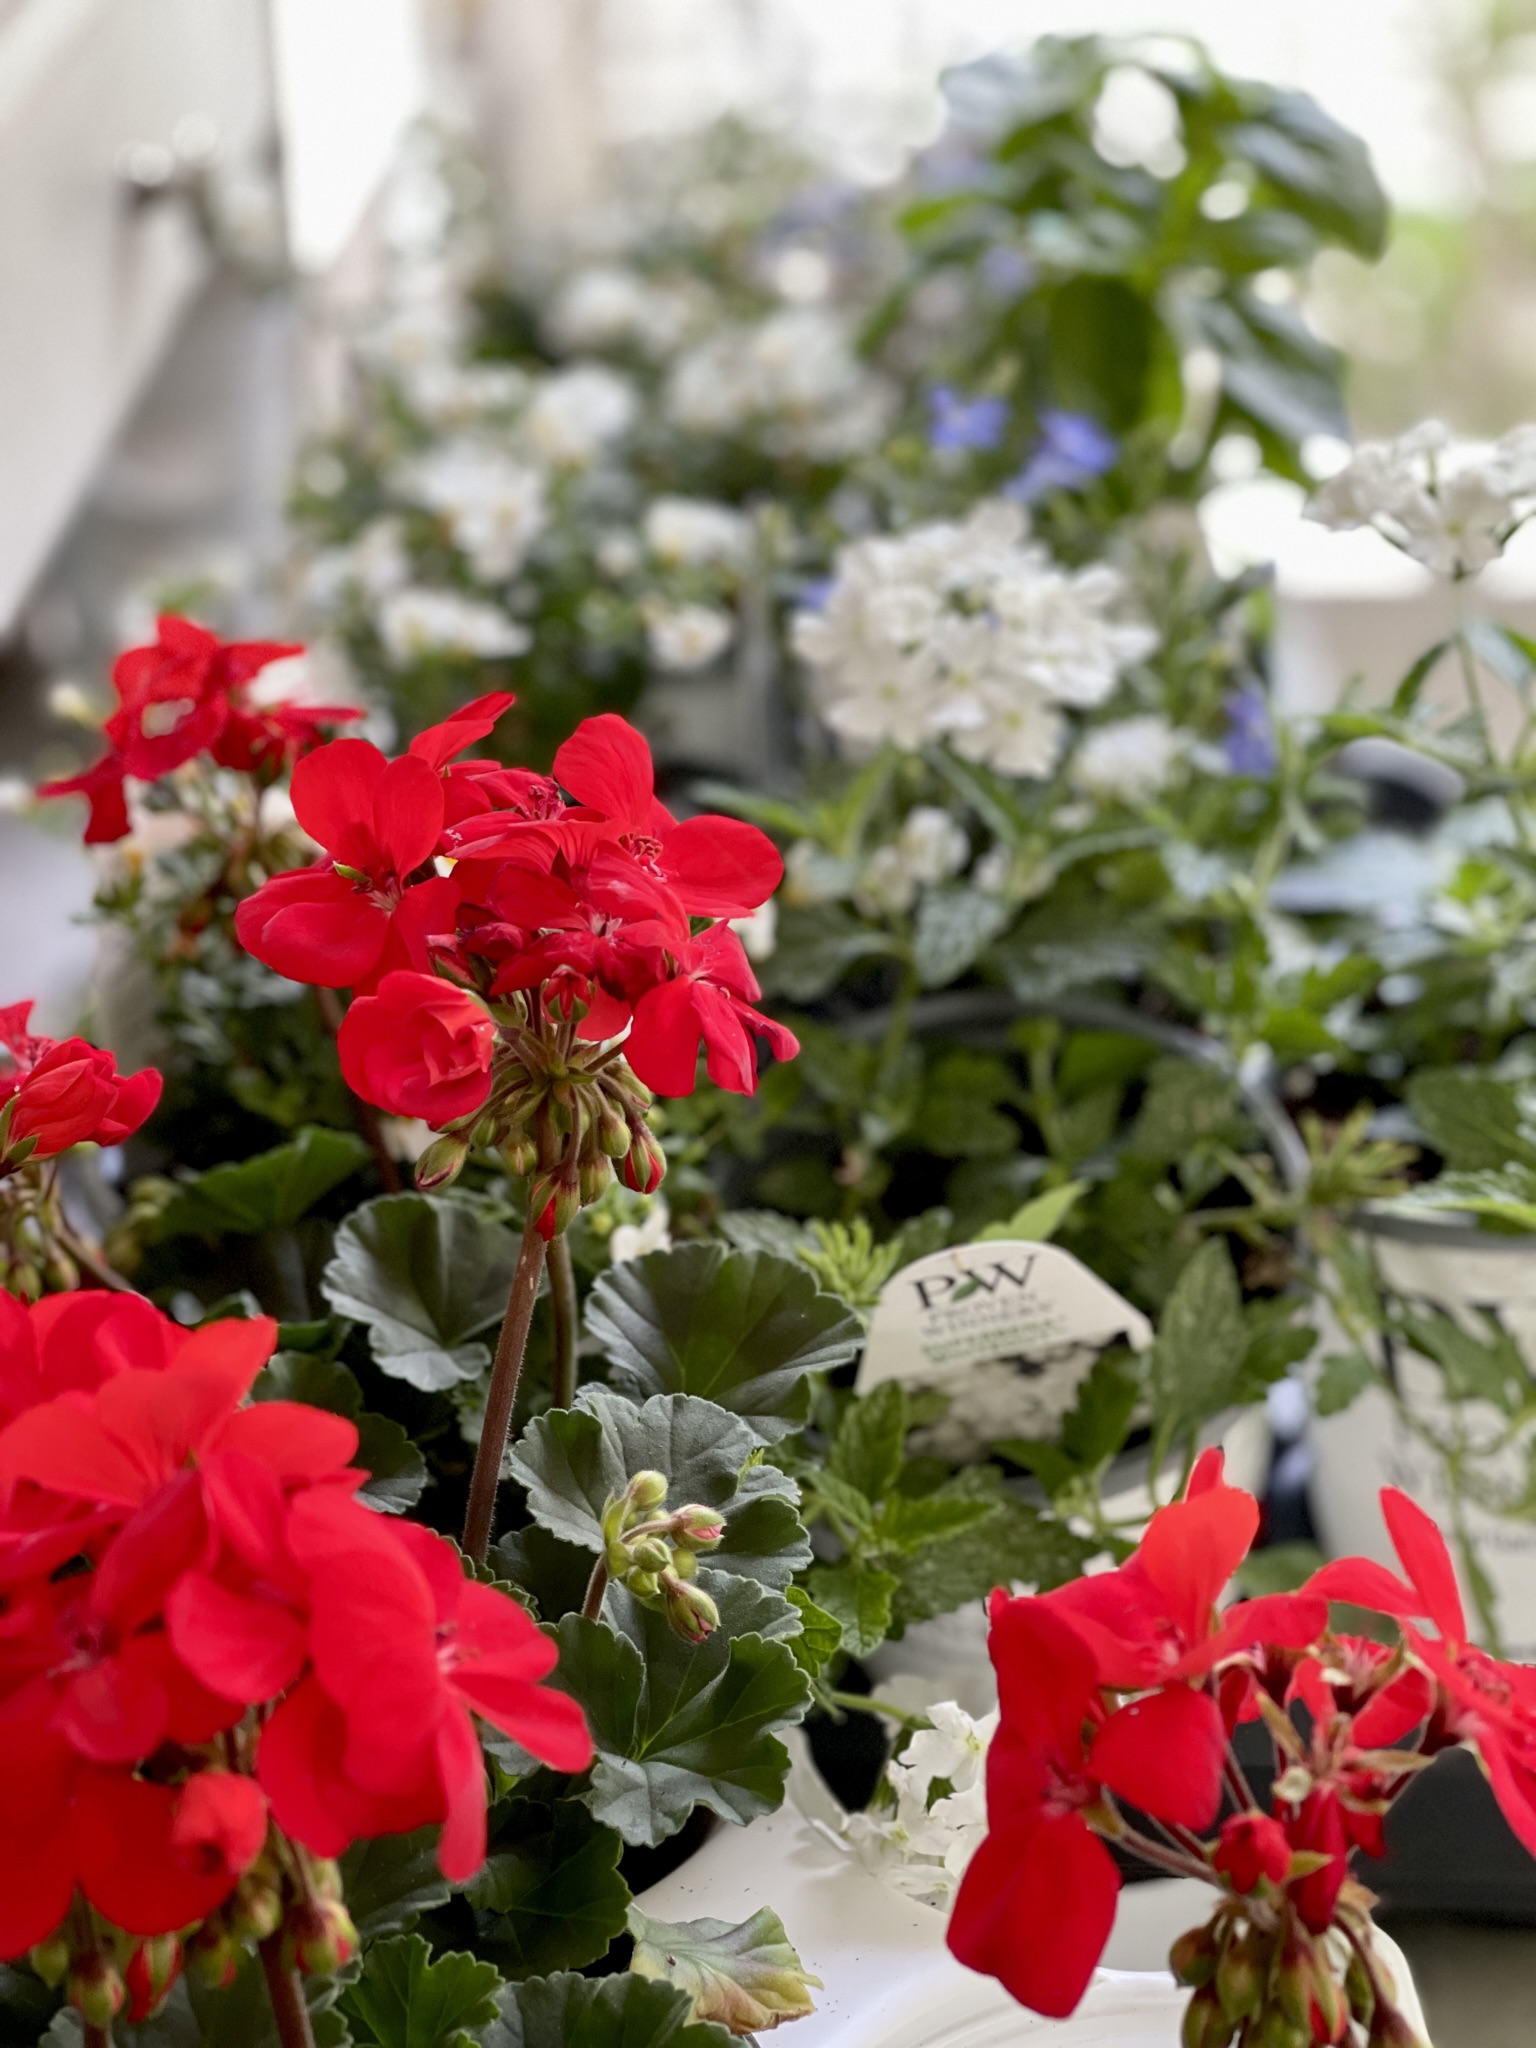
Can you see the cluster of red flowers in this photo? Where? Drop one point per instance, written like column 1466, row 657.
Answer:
column 450, row 890
column 191, row 694
column 212, row 1650
column 1128, row 1686
column 58, row 1092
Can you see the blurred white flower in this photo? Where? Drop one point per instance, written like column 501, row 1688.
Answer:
column 759, row 933
column 418, row 621
column 68, row 701
column 688, row 635
column 652, row 1234
column 922, row 1847
column 15, row 795
column 795, row 379
column 812, row 875
column 1130, row 758
column 886, row 884
column 575, row 413
column 1449, row 504
column 618, row 553
column 495, row 508
column 968, row 632
column 376, row 563
column 690, row 530
column 932, row 844
column 992, row 871
column 607, row 306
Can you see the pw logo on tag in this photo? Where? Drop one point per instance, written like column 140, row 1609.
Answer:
column 1008, row 1330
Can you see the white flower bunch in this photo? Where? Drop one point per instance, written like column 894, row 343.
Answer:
column 793, row 379
column 494, row 507
column 687, row 532
column 1450, row 504
column 971, row 633
column 575, row 414
column 417, row 621
column 687, row 636
column 930, row 848
column 923, row 1847
column 1129, row 759
column 607, row 305
column 371, row 566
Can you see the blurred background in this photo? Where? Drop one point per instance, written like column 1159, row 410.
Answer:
column 203, row 203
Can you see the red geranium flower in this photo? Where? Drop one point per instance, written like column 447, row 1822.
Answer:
column 418, row 1047
column 1037, row 1902
column 709, row 1000
column 65, row 1091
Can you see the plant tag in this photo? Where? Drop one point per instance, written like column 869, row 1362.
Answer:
column 1007, row 1330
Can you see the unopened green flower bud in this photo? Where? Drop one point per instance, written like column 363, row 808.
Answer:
column 1205, row 2024
column 595, row 1177
column 699, row 1528
column 442, row 1161
column 690, row 1612
column 1240, row 1978
column 646, row 1164
column 685, row 1564
column 650, row 1554
column 256, row 1910
column 325, row 1877
column 95, row 1989
column 644, row 1585
column 50, row 1959
column 613, row 1132
column 646, row 1492
column 323, row 1937
column 521, row 1155
column 1359, row 1989
column 213, row 1955
column 1278, row 2030
column 1192, row 1958
column 1328, row 1999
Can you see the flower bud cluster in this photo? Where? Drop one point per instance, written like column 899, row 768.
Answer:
column 569, row 1124
column 654, row 1552
column 1261, row 1979
column 106, row 1974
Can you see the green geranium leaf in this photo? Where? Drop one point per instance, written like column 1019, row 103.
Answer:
column 1201, row 1343
column 407, row 1998
column 820, row 1634
column 626, row 2011
column 1473, row 1120
column 391, row 1881
column 552, row 1897
column 747, row 1977
column 270, row 1192
column 396, row 1468
column 573, row 1460
column 858, row 1597
column 676, row 1724
column 426, row 1275
column 740, row 1328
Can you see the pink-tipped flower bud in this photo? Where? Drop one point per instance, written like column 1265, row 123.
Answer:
column 442, row 1162
column 96, row 1991
column 153, row 1968
column 213, row 1955
column 323, row 1937
column 698, row 1527
column 690, row 1612
column 646, row 1164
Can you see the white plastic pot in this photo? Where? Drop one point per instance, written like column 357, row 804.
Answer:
column 1454, row 1267
column 888, row 1981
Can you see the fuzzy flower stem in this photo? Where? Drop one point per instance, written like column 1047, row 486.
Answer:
column 367, row 1116
column 96, row 2037
column 562, row 1288
column 510, row 1346
column 866, row 1703
column 1162, row 1857
column 288, row 2007
column 597, row 1586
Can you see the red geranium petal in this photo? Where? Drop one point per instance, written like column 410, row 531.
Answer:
column 1164, row 1753
column 239, row 1646
column 1191, row 1549
column 663, row 1042
column 1035, row 1910
column 132, row 1869
column 1427, row 1562
column 461, row 1773
column 333, row 791
column 721, row 867
column 408, row 813
column 607, row 764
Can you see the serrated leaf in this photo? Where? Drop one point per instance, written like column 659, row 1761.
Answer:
column 1344, row 1376
column 1507, row 1196
column 408, row 1998
column 858, row 1597
column 396, row 1468
column 269, row 1192
column 871, row 1433
column 1014, row 1544
column 391, row 1881
column 1185, row 1101
column 1201, row 1342
column 905, row 1524
column 552, row 1897
column 572, row 1461
column 624, row 2011
column 764, row 1230
column 953, row 927
column 820, row 1634
column 747, row 1977
column 743, row 1329
column 1038, row 1221
column 676, row 1724
column 1471, row 1119
column 426, row 1275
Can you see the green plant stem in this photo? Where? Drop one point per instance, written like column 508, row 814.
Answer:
column 562, row 1294
column 597, row 1586
column 510, row 1346
column 866, row 1703
column 288, row 2007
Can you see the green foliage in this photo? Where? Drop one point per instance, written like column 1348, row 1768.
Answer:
column 270, row 1192
column 747, row 1977
column 396, row 1468
column 820, row 1636
column 744, row 1329
column 1201, row 1344
column 550, row 1896
column 426, row 1275
column 1477, row 1123
column 676, row 1724
column 573, row 1461
column 626, row 2011
column 391, row 1881
column 407, row 1998
column 1504, row 1196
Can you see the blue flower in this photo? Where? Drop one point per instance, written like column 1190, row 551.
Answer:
column 956, row 422
column 1249, row 740
column 1072, row 450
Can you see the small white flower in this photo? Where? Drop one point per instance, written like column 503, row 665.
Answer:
column 932, row 844
column 652, row 1234
column 618, row 554
column 886, row 884
column 1132, row 759
column 992, row 871
column 418, row 621
column 688, row 636
column 1449, row 504
column 576, row 413
column 68, row 701
column 494, row 508
column 15, row 795
column 758, row 933
column 607, row 306
column 684, row 531
column 812, row 875
column 922, row 1849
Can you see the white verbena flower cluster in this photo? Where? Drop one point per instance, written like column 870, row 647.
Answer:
column 417, row 621
column 1129, row 759
column 1448, row 503
column 969, row 633
column 923, row 1847
column 794, row 379
column 608, row 305
column 495, row 507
